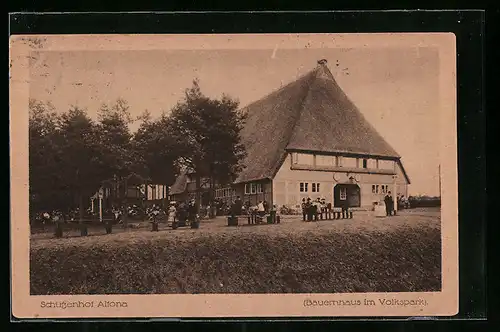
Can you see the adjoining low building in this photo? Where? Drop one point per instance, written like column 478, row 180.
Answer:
column 308, row 140
column 184, row 188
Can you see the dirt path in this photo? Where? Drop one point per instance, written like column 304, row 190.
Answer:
column 290, row 225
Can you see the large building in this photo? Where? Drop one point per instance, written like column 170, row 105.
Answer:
column 307, row 139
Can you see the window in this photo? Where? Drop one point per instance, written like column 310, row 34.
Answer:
column 247, row 189
column 365, row 163
column 385, row 189
column 259, row 188
column 315, row 187
column 253, row 188
column 303, row 187
column 376, row 189
column 343, row 194
column 373, row 189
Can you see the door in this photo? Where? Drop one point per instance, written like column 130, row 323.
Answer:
column 346, row 194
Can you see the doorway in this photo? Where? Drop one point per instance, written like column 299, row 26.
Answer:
column 346, row 193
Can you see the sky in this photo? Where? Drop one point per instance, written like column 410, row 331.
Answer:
column 396, row 88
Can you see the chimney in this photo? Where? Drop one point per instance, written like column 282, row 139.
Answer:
column 322, row 62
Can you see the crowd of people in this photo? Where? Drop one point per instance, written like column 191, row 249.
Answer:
column 314, row 210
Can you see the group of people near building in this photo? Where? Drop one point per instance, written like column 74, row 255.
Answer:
column 182, row 211
column 314, row 210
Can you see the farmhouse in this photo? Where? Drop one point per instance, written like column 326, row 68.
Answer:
column 307, row 139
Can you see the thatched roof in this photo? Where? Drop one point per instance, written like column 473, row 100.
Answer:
column 311, row 114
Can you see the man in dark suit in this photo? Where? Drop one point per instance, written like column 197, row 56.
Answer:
column 238, row 204
column 304, row 209
column 388, row 204
column 309, row 209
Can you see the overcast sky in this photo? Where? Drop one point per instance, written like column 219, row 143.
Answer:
column 397, row 89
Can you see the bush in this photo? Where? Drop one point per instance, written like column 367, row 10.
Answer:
column 418, row 202
column 402, row 260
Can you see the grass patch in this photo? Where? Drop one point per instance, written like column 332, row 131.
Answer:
column 401, row 260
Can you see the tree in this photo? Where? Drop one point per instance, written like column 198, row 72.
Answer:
column 207, row 135
column 153, row 142
column 120, row 159
column 44, row 181
column 81, row 156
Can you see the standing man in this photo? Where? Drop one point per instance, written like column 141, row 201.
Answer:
column 238, row 204
column 387, row 202
column 309, row 208
column 304, row 209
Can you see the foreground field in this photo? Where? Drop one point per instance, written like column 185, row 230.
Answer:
column 364, row 254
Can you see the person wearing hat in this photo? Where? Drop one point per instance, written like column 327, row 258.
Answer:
column 304, row 209
column 309, row 208
column 316, row 208
column 323, row 209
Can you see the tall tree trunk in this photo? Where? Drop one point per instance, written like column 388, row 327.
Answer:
column 198, row 192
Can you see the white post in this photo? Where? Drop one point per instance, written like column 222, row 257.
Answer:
column 92, row 201
column 395, row 194
column 100, row 208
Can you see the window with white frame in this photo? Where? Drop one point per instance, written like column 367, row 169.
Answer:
column 247, row 188
column 343, row 194
column 259, row 188
column 373, row 189
column 303, row 187
column 253, row 188
column 315, row 187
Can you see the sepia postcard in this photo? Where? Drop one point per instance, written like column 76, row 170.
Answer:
column 245, row 175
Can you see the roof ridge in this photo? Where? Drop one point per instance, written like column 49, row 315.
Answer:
column 276, row 91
